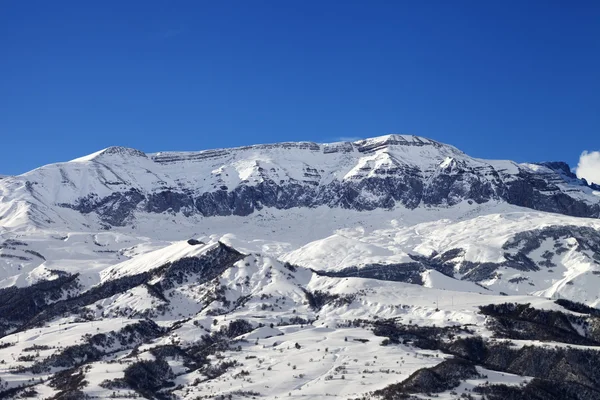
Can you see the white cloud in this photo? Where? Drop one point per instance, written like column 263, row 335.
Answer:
column 589, row 166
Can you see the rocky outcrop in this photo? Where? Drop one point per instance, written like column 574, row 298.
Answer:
column 407, row 190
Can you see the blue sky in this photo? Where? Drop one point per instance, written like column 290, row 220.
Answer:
column 498, row 79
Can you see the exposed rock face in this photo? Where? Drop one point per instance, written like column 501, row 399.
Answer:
column 406, row 188
column 114, row 210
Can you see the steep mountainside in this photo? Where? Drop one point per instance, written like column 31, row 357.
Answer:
column 388, row 268
column 117, row 183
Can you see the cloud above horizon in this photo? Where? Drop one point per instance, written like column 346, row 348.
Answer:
column 589, row 166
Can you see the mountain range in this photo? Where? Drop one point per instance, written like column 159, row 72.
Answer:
column 394, row 267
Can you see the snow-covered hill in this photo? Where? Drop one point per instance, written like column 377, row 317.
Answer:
column 384, row 268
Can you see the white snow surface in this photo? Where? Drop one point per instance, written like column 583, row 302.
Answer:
column 39, row 238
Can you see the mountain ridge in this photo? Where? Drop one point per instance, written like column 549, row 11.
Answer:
column 382, row 172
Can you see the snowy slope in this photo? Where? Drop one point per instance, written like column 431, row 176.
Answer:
column 356, row 270
column 269, row 319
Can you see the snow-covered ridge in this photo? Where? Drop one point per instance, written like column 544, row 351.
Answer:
column 117, row 183
column 362, row 146
column 111, row 151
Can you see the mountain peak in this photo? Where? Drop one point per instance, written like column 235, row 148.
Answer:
column 362, row 145
column 395, row 138
column 380, row 142
column 111, row 152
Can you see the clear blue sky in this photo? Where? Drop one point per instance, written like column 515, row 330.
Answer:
column 498, row 79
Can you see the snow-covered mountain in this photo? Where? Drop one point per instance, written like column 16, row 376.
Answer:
column 116, row 184
column 383, row 268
